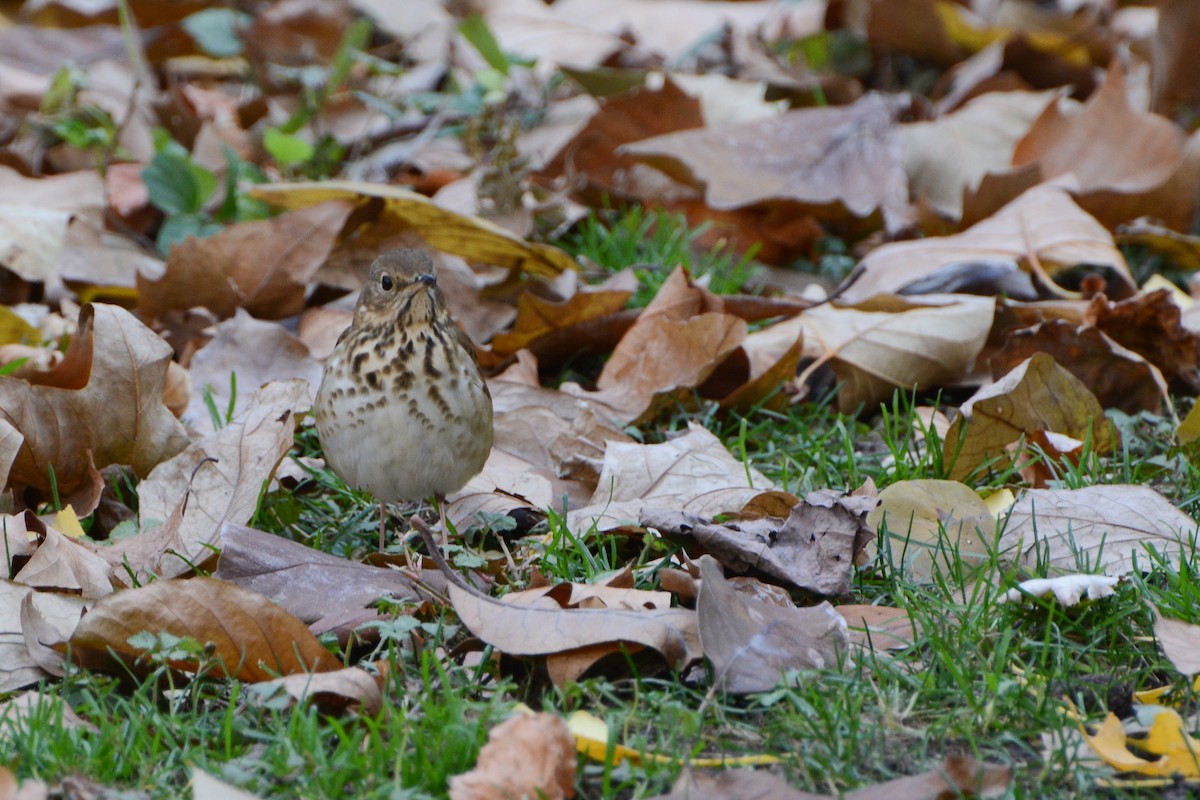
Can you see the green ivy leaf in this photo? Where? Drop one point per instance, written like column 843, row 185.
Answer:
column 286, row 149
column 217, row 31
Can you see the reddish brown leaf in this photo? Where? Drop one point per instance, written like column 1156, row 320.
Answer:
column 244, row 635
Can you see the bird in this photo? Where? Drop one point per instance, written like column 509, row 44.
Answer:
column 402, row 411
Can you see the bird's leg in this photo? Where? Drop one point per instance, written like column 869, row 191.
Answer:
column 441, row 504
column 382, row 524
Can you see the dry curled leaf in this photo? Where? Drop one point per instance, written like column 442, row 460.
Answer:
column 527, row 755
column 102, row 405
column 753, row 644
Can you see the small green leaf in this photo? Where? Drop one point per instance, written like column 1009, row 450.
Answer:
column 476, row 31
column 216, row 31
column 181, row 226
column 176, row 184
column 286, row 149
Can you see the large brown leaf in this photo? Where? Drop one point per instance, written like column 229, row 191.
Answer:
column 877, row 348
column 1037, row 396
column 183, row 503
column 1127, row 163
column 262, row 266
column 1043, row 224
column 102, row 405
column 835, row 162
column 753, row 644
column 1096, row 529
column 244, row 635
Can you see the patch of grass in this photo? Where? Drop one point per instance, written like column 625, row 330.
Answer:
column 653, row 244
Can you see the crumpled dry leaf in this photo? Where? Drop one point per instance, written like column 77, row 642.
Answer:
column 1151, row 326
column 813, row 550
column 314, row 586
column 1069, row 590
column 1094, row 529
column 102, row 405
column 535, row 631
column 1042, row 223
column 932, row 521
column 12, row 789
column 207, row 787
column 184, row 501
column 470, row 237
column 834, row 162
column 244, row 635
column 262, row 266
column 1036, row 396
column 880, row 347
column 1119, row 378
column 753, row 644
column 693, row 473
column 527, row 755
column 332, row 692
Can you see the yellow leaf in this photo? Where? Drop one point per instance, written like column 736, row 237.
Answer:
column 972, row 35
column 66, row 522
column 15, row 330
column 999, row 502
column 472, row 238
column 1166, row 738
column 591, row 739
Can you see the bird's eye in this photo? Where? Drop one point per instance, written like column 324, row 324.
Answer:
column 386, row 283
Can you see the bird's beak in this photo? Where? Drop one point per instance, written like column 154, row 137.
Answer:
column 427, row 279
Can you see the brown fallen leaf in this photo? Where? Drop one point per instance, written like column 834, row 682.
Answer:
column 256, row 352
column 1100, row 529
column 184, row 501
column 1151, row 326
column 12, row 789
column 27, row 618
column 676, row 343
column 753, row 645
column 1043, row 223
column 593, row 152
column 306, row 582
column 62, row 564
column 262, row 266
column 834, row 162
column 534, row 631
column 875, row 349
column 953, row 152
column 956, row 776
column 1037, row 395
column 332, row 692
column 539, row 319
column 102, row 405
column 527, row 755
column 878, row 627
column 243, row 635
column 813, row 550
column 1124, row 160
column 931, row 522
column 693, row 473
column 1119, row 378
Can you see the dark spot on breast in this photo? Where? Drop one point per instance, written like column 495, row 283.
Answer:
column 430, row 369
column 357, row 362
column 373, row 379
column 403, row 380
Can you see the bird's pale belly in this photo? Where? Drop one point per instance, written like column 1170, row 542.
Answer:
column 409, row 447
